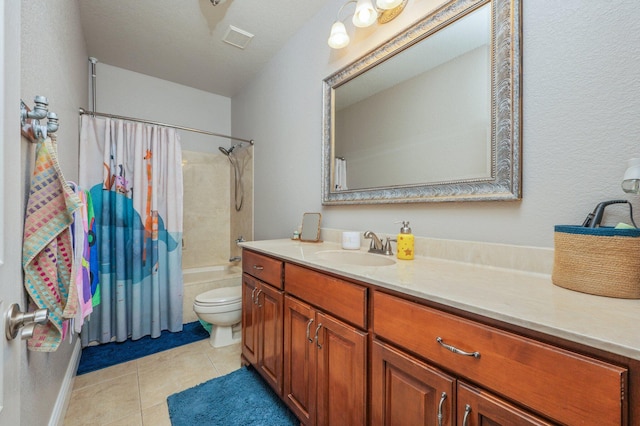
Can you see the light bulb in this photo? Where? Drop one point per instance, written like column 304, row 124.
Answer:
column 631, row 179
column 631, row 185
column 365, row 14
column 338, row 37
column 388, row 4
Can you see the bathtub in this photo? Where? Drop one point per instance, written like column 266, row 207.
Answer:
column 199, row 280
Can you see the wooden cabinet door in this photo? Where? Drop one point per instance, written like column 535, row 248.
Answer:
column 269, row 303
column 480, row 408
column 406, row 391
column 249, row 319
column 299, row 359
column 341, row 364
column 262, row 329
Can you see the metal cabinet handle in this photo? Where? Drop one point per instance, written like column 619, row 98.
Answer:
column 316, row 337
column 456, row 350
column 258, row 298
column 308, row 326
column 443, row 397
column 258, row 267
column 467, row 411
column 253, row 295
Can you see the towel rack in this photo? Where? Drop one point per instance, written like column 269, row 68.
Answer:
column 30, row 126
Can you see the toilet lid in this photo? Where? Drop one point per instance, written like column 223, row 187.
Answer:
column 220, row 296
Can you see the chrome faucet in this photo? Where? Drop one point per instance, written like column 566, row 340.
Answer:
column 376, row 245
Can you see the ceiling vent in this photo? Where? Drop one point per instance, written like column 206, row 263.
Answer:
column 237, row 37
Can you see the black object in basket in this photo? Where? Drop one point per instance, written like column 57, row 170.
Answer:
column 603, row 261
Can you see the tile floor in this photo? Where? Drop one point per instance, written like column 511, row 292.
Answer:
column 135, row 393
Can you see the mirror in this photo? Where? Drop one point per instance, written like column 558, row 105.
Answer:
column 311, row 227
column 431, row 115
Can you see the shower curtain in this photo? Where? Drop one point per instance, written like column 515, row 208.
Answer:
column 134, row 174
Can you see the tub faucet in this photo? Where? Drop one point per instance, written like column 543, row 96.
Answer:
column 376, row 244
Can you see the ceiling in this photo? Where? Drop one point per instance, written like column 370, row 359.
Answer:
column 181, row 40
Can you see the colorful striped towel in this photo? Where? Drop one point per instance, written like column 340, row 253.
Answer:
column 47, row 256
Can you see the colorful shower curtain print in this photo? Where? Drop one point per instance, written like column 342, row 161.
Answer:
column 47, row 253
column 85, row 256
column 134, row 174
column 94, row 265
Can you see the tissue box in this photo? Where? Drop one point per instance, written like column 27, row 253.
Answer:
column 602, row 261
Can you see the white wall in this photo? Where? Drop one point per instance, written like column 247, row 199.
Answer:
column 580, row 123
column 53, row 64
column 132, row 94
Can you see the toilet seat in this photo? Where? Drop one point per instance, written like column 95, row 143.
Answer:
column 220, row 296
column 222, row 308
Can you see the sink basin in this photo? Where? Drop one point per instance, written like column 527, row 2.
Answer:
column 358, row 258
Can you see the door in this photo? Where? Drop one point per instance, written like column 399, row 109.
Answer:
column 270, row 303
column 299, row 359
column 249, row 319
column 10, row 207
column 341, row 370
column 406, row 391
column 480, row 408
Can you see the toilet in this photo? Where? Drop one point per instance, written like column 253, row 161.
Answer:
column 222, row 308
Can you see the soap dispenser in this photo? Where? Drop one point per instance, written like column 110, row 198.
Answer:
column 405, row 242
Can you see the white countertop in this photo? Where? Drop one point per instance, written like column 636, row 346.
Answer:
column 520, row 298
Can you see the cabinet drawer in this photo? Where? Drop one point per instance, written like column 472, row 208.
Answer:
column 262, row 267
column 342, row 299
column 559, row 384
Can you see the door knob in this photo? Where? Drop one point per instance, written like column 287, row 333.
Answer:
column 16, row 319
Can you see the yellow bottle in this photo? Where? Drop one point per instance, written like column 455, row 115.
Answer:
column 405, row 242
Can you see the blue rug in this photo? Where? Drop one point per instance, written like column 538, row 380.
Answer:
column 96, row 357
column 239, row 398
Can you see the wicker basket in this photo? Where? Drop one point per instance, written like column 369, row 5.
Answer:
column 602, row 261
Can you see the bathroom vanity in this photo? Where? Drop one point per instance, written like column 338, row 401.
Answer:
column 433, row 342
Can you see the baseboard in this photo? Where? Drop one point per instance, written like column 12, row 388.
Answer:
column 64, row 396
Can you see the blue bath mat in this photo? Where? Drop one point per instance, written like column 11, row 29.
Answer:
column 239, row 398
column 96, row 357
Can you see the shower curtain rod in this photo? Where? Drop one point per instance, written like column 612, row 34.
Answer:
column 204, row 132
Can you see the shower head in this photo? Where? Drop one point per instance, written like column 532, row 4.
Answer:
column 228, row 152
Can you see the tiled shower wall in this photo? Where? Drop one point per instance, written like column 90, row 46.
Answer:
column 242, row 221
column 211, row 223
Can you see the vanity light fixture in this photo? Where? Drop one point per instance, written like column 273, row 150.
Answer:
column 388, row 4
column 364, row 15
column 631, row 179
column 338, row 37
